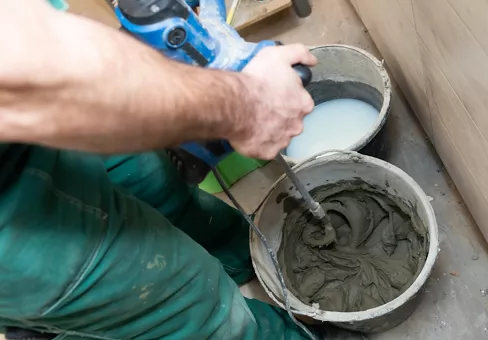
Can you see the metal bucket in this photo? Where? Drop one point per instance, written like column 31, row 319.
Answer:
column 350, row 72
column 327, row 169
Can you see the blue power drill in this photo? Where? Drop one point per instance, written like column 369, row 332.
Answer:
column 206, row 40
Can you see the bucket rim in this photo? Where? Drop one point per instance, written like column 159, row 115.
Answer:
column 408, row 294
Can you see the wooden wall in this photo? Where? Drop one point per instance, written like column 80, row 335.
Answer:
column 437, row 50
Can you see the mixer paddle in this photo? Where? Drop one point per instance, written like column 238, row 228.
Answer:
column 314, row 206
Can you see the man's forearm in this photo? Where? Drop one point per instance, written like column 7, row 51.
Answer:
column 92, row 88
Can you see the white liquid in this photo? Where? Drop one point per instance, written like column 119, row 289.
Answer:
column 335, row 124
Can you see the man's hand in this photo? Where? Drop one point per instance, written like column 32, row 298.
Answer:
column 279, row 99
column 76, row 84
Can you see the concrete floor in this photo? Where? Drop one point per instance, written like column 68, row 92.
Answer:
column 452, row 304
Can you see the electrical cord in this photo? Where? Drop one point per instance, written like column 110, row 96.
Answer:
column 271, row 253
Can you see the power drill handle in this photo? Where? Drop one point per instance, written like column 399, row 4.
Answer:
column 304, row 73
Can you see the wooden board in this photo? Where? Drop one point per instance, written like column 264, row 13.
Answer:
column 402, row 57
column 248, row 12
column 438, row 52
column 252, row 11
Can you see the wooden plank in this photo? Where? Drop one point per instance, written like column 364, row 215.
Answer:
column 452, row 158
column 250, row 12
column 355, row 4
column 407, row 8
column 473, row 15
column 396, row 38
column 458, row 54
column 97, row 10
column 458, row 140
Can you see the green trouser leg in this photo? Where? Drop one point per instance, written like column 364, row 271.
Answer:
column 87, row 258
column 220, row 229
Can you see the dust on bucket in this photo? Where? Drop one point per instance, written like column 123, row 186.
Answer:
column 351, row 90
column 382, row 177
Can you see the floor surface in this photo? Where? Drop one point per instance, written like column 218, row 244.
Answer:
column 454, row 304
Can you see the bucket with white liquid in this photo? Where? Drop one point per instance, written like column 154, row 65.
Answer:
column 352, row 94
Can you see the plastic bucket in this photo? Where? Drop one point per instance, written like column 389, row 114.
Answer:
column 327, row 169
column 350, row 72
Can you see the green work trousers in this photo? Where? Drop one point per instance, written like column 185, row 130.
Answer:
column 121, row 247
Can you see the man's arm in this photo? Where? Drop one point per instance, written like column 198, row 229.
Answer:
column 68, row 82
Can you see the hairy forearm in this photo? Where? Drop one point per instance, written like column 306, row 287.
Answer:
column 68, row 82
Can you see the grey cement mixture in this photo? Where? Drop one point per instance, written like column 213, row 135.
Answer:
column 376, row 256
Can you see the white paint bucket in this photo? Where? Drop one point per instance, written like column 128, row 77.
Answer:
column 330, row 168
column 350, row 72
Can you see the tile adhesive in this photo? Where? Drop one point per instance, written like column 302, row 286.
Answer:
column 374, row 256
